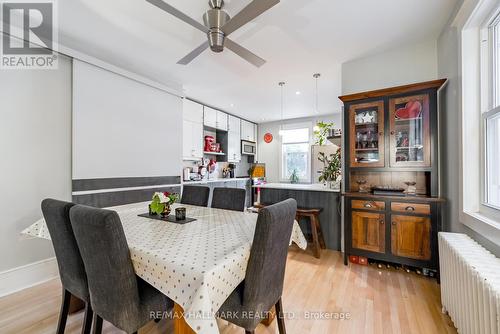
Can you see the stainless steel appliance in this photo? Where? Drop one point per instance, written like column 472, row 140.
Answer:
column 248, row 147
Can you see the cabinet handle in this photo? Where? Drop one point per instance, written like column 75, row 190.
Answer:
column 394, row 223
column 410, row 208
column 381, row 221
column 368, row 205
column 392, row 133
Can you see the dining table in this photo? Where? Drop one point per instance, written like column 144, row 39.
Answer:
column 196, row 264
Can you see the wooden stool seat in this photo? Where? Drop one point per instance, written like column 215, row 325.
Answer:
column 317, row 233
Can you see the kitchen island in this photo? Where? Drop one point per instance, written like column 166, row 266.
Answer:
column 310, row 196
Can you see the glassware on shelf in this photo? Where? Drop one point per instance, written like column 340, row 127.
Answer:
column 362, row 186
column 411, row 188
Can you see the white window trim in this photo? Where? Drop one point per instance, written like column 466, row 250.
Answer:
column 473, row 213
column 292, row 126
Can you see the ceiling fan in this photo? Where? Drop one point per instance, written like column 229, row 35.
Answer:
column 219, row 25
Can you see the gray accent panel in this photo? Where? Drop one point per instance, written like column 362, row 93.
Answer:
column 102, row 200
column 123, row 182
column 329, row 216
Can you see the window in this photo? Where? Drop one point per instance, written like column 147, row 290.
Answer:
column 295, row 154
column 491, row 118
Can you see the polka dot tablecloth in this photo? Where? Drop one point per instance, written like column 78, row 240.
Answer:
column 197, row 264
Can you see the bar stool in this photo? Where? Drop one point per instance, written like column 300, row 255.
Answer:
column 317, row 233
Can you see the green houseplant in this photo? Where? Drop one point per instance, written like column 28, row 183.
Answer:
column 161, row 203
column 321, row 132
column 332, row 168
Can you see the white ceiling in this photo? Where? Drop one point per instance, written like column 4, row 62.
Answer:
column 297, row 38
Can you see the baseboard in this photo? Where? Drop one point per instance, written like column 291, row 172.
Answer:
column 26, row 276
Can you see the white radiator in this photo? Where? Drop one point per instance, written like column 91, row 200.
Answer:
column 470, row 284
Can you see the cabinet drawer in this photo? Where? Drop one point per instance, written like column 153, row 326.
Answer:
column 423, row 209
column 368, row 205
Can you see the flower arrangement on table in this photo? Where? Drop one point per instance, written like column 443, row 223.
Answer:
column 161, row 203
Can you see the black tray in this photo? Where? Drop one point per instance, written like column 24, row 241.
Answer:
column 170, row 218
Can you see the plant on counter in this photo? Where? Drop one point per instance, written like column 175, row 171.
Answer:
column 332, row 166
column 161, row 203
column 294, row 177
column 321, row 132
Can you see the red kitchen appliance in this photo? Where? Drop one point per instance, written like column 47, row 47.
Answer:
column 210, row 144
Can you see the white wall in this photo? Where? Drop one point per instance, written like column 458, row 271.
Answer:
column 122, row 127
column 269, row 153
column 403, row 65
column 35, row 146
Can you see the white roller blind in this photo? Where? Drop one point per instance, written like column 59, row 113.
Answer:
column 123, row 128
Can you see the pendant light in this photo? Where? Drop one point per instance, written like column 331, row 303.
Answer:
column 282, row 85
column 316, row 77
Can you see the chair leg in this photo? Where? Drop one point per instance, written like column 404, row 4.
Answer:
column 63, row 314
column 87, row 319
column 97, row 325
column 281, row 317
column 314, row 231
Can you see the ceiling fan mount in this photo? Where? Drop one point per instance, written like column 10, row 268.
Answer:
column 219, row 25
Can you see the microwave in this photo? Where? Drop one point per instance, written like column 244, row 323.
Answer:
column 248, row 147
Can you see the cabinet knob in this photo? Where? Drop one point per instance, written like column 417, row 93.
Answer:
column 381, row 221
column 410, row 208
column 392, row 133
column 368, row 205
column 394, row 223
column 380, row 133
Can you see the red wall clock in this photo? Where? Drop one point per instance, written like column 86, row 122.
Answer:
column 268, row 137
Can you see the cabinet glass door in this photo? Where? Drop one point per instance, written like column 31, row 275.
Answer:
column 409, row 128
column 367, row 134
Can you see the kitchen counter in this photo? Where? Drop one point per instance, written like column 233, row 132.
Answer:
column 297, row 186
column 205, row 181
column 310, row 196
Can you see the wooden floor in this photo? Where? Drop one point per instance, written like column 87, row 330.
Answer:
column 376, row 301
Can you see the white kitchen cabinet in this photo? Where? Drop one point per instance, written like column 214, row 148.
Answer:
column 248, row 131
column 192, row 111
column 234, row 139
column 192, row 130
column 192, row 140
column 221, row 123
column 210, row 117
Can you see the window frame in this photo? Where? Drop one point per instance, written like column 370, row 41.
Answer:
column 490, row 103
column 282, row 166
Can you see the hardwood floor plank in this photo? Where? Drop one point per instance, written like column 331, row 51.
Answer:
column 379, row 301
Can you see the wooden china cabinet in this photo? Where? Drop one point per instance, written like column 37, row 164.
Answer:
column 391, row 146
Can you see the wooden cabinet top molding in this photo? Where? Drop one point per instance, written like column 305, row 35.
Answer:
column 393, row 90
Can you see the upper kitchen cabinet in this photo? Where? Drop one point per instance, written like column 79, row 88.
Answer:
column 210, row 117
column 215, row 119
column 192, row 129
column 234, row 139
column 192, row 111
column 248, row 131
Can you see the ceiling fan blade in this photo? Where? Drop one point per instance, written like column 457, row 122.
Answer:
column 244, row 53
column 193, row 54
column 178, row 14
column 247, row 14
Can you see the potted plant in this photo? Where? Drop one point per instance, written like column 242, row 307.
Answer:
column 321, row 132
column 331, row 170
column 161, row 202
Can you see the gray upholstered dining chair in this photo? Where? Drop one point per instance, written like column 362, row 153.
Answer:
column 195, row 195
column 69, row 261
column 263, row 284
column 229, row 199
column 116, row 293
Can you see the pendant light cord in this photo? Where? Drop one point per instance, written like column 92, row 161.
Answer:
column 316, row 76
column 282, row 85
